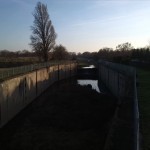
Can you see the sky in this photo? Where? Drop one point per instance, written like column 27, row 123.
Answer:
column 81, row 25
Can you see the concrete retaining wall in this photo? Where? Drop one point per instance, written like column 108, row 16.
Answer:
column 118, row 78
column 18, row 92
column 121, row 81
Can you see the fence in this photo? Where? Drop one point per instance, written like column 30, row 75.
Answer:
column 136, row 116
column 10, row 72
column 121, row 81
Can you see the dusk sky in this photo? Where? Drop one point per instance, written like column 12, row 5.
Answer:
column 81, row 25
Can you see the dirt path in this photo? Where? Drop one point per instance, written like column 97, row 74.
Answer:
column 66, row 117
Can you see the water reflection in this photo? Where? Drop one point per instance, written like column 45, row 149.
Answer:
column 93, row 83
column 89, row 67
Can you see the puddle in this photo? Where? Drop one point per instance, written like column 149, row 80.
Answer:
column 93, row 83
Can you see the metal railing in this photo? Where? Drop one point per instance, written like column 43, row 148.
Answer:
column 11, row 72
column 136, row 117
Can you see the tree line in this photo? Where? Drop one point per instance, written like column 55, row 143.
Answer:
column 124, row 53
column 59, row 53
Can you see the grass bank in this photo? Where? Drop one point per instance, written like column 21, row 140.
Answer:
column 144, row 106
column 6, row 62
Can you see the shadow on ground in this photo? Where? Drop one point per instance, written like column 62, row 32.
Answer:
column 66, row 117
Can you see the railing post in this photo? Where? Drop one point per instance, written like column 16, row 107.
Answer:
column 136, row 117
column 58, row 72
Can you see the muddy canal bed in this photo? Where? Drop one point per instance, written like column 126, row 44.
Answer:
column 67, row 116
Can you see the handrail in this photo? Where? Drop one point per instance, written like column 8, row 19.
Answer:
column 136, row 116
column 28, row 68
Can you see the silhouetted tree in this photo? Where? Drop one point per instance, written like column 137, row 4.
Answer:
column 4, row 53
column 141, row 54
column 105, row 53
column 72, row 55
column 86, row 54
column 60, row 53
column 43, row 33
column 124, row 47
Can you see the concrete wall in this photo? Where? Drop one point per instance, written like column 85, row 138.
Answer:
column 18, row 92
column 121, row 81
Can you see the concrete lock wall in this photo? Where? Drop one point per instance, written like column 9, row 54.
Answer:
column 121, row 81
column 18, row 92
column 118, row 78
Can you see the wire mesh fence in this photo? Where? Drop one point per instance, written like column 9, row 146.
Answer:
column 10, row 72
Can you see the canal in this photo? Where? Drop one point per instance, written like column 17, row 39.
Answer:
column 71, row 114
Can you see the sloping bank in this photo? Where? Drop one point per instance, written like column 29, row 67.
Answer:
column 124, row 129
column 17, row 92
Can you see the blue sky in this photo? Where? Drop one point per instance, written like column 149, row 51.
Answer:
column 81, row 25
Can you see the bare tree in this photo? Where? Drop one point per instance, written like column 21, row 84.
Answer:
column 43, row 33
column 124, row 47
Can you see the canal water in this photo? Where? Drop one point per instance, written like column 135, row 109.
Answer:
column 92, row 83
column 87, row 76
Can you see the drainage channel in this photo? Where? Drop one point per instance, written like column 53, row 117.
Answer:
column 66, row 116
